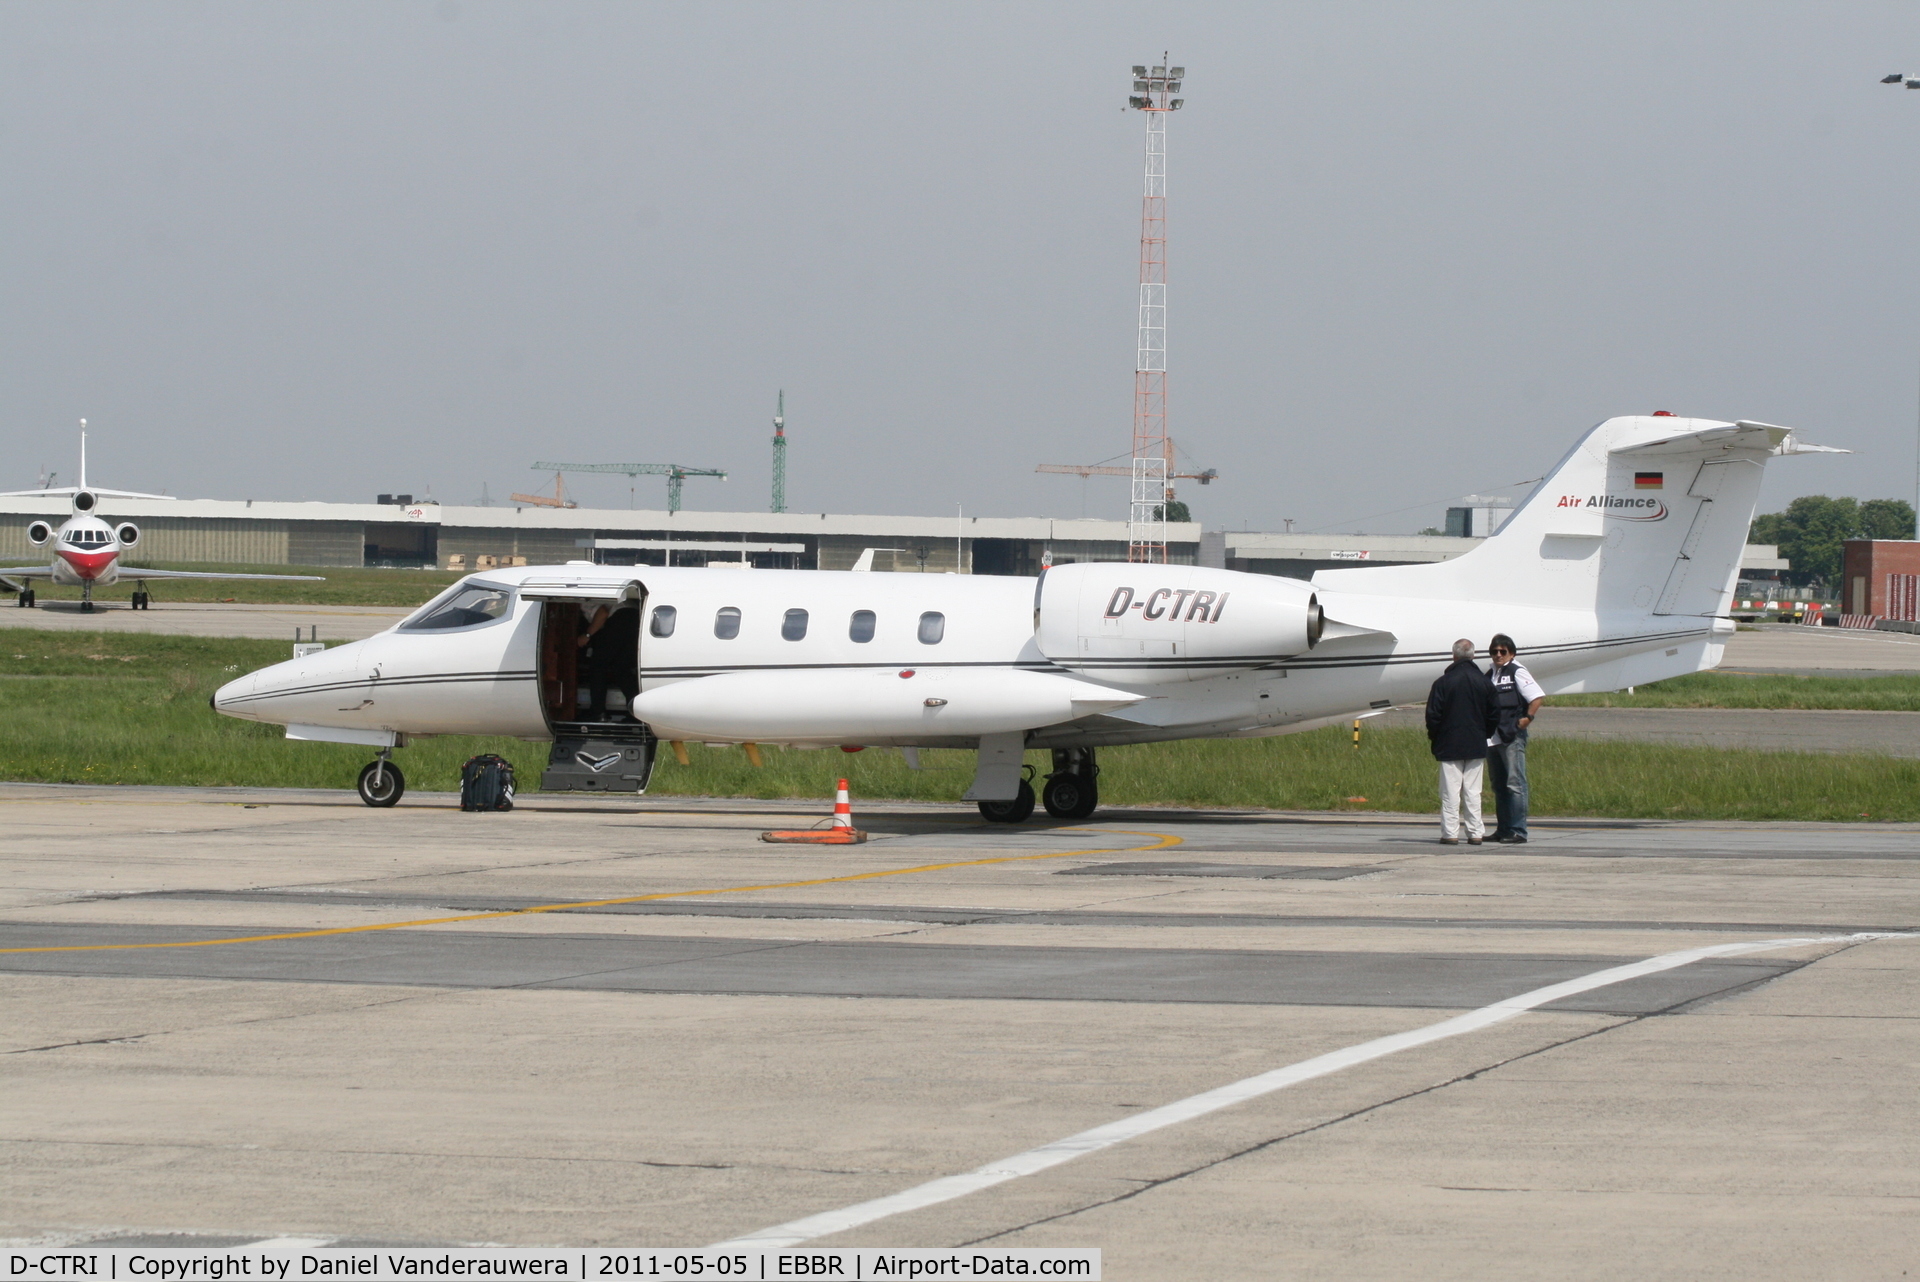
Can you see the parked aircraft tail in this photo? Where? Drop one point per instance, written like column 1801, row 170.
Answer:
column 1645, row 516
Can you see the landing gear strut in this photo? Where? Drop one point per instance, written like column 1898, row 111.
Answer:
column 381, row 783
column 86, row 596
column 1072, row 790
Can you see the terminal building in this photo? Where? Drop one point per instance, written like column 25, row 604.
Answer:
column 401, row 533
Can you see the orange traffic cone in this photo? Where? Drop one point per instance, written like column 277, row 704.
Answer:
column 840, row 833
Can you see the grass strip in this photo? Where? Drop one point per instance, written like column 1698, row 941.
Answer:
column 1741, row 690
column 132, row 709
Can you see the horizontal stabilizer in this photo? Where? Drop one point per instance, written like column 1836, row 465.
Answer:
column 1744, row 435
column 68, row 491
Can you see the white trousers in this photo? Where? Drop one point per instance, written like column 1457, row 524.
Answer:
column 1460, row 789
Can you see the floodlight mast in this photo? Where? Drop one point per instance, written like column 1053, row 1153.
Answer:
column 1153, row 91
column 1911, row 82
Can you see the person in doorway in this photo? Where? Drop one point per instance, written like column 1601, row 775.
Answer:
column 1516, row 697
column 595, row 668
column 1460, row 719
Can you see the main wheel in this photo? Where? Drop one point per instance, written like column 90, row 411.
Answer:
column 387, row 789
column 1009, row 812
column 140, row 600
column 1071, row 796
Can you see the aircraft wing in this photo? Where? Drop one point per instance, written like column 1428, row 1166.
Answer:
column 134, row 572
column 27, row 571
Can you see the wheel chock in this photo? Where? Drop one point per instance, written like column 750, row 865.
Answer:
column 842, row 833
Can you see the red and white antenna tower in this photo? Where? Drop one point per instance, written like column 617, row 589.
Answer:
column 1153, row 91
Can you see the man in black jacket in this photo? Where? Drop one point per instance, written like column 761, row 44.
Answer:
column 1461, row 717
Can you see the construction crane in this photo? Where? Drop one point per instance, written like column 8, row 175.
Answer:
column 1084, row 470
column 674, row 473
column 780, row 454
column 556, row 499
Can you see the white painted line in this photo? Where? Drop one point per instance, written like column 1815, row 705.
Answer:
column 287, row 1243
column 1034, row 1160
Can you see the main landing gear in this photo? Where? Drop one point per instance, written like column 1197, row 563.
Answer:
column 25, row 600
column 1072, row 791
column 1009, row 812
column 142, row 599
column 381, row 783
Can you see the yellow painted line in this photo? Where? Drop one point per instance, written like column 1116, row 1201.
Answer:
column 1162, row 842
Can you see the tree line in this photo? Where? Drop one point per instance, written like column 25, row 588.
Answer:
column 1809, row 533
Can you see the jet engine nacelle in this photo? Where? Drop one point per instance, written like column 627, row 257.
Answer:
column 85, row 501
column 1151, row 623
column 128, row 533
column 39, row 532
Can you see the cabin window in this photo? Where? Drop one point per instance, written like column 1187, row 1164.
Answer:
column 933, row 626
column 726, row 624
column 794, row 626
column 466, row 606
column 663, row 618
column 860, row 627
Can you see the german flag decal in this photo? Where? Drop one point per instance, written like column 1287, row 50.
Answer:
column 1648, row 480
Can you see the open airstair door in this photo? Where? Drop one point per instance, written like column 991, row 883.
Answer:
column 1724, row 492
column 589, row 675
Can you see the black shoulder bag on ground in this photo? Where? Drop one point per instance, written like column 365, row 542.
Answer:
column 486, row 783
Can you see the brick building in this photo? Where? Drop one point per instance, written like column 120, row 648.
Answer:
column 1881, row 576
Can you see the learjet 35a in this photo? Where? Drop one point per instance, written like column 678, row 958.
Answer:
column 87, row 548
column 1617, row 570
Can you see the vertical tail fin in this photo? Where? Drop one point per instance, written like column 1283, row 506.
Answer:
column 1646, row 515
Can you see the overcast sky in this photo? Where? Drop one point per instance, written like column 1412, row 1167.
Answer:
column 319, row 251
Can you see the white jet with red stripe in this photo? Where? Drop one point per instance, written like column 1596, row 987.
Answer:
column 87, row 548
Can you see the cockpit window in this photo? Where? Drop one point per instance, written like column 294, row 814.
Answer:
column 466, row 605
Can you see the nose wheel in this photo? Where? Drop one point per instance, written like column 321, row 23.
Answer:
column 381, row 783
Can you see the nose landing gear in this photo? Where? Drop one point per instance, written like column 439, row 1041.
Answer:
column 1072, row 790
column 381, row 783
column 86, row 596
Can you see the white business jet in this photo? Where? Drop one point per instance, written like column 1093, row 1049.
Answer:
column 1616, row 571
column 87, row 548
